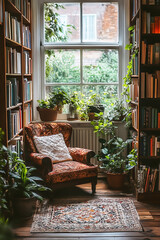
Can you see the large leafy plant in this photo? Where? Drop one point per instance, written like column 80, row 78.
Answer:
column 16, row 180
column 112, row 157
column 25, row 185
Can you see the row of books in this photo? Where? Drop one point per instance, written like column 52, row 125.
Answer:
column 12, row 92
column 27, row 89
column 27, row 114
column 135, row 65
column 13, row 61
column 135, row 118
column 1, row 14
column 26, row 37
column 12, row 27
column 14, row 122
column 136, row 6
column 151, row 2
column 148, row 179
column 150, row 53
column 26, row 9
column 17, row 146
column 149, row 145
column 17, row 3
column 150, row 24
column 27, row 63
column 150, row 117
column 134, row 92
column 150, row 85
column 135, row 34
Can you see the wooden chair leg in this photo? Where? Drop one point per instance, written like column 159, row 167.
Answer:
column 94, row 182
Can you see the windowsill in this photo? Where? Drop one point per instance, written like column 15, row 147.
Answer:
column 74, row 122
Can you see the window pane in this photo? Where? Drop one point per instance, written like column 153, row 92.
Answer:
column 107, row 93
column 100, row 22
column 100, row 66
column 69, row 89
column 62, row 66
column 67, row 17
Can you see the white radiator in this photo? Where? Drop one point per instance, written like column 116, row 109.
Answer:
column 83, row 136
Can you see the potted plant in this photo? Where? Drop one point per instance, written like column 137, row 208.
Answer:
column 18, row 187
column 24, row 188
column 60, row 98
column 118, row 109
column 115, row 162
column 94, row 106
column 73, row 106
column 47, row 110
column 112, row 155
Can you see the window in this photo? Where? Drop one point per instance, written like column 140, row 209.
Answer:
column 88, row 57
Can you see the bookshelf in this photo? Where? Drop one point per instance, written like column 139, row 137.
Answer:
column 145, row 95
column 15, row 69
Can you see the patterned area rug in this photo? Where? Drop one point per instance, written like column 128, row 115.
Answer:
column 98, row 215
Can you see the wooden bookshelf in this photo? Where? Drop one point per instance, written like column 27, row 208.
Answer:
column 15, row 77
column 148, row 104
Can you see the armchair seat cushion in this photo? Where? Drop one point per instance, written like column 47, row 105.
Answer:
column 70, row 170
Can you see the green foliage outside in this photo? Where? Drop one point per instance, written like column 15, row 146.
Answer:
column 61, row 68
column 54, row 30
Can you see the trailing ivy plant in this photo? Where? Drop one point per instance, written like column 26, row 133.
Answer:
column 132, row 47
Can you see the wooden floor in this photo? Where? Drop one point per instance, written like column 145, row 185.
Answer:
column 149, row 218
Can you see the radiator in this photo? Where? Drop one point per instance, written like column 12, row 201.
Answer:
column 83, row 136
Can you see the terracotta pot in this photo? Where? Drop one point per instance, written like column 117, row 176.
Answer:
column 47, row 114
column 24, row 207
column 92, row 116
column 116, row 180
column 94, row 109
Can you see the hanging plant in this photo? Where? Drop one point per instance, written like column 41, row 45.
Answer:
column 132, row 47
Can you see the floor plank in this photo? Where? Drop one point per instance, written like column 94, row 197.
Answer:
column 149, row 218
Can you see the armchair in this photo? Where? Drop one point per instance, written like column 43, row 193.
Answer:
column 60, row 174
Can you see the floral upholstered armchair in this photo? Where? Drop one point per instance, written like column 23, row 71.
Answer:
column 60, row 173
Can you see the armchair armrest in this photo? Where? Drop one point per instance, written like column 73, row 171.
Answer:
column 81, row 154
column 41, row 161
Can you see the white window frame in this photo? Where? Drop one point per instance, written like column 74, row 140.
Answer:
column 39, row 48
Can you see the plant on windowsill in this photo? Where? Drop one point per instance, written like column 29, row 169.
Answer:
column 117, row 110
column 73, row 106
column 60, row 98
column 94, row 106
column 47, row 110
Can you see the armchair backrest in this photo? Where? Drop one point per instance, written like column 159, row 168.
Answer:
column 44, row 129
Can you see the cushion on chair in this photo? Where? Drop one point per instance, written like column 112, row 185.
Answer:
column 53, row 146
column 70, row 170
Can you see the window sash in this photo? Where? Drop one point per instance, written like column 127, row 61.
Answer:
column 80, row 45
